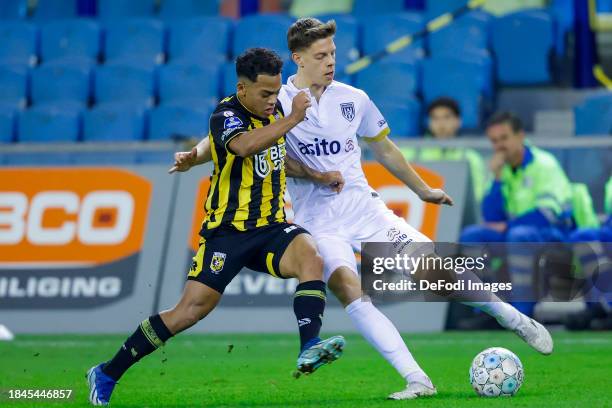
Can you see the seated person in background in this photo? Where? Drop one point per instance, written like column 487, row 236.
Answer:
column 528, row 201
column 444, row 123
column 595, row 262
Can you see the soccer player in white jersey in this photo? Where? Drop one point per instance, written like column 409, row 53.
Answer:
column 327, row 141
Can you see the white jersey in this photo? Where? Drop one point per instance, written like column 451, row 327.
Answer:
column 327, row 140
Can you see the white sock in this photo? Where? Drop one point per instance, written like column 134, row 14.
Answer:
column 505, row 314
column 378, row 330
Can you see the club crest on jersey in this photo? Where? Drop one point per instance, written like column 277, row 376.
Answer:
column 232, row 122
column 217, row 262
column 348, row 110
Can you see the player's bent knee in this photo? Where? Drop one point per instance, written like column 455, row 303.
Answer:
column 345, row 285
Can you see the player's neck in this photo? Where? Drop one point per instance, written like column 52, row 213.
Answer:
column 302, row 82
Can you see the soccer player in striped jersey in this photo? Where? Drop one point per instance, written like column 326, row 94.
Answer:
column 245, row 225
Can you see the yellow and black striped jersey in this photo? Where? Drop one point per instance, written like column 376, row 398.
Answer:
column 245, row 193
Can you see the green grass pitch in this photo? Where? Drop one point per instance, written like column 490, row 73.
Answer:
column 200, row 370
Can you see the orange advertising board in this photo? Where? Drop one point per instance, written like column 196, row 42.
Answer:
column 71, row 215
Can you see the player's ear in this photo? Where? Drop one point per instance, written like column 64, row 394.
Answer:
column 241, row 88
column 297, row 58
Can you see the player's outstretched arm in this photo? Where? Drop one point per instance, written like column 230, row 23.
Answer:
column 200, row 154
column 297, row 169
column 254, row 141
column 392, row 159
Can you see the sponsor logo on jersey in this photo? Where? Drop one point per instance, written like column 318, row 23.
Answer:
column 227, row 114
column 348, row 110
column 320, row 147
column 217, row 262
column 232, row 122
column 349, row 145
column 381, row 123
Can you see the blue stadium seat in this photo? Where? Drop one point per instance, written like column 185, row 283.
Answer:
column 18, row 43
column 604, row 6
column 56, row 83
column 563, row 11
column 442, row 73
column 188, row 81
column 379, row 31
column 166, row 120
column 466, row 35
column 78, row 38
column 199, row 39
column 466, row 82
column 594, row 116
column 46, row 10
column 389, row 81
column 229, row 79
column 171, row 9
column 7, row 124
column 13, row 86
column 346, row 38
column 124, row 83
column 49, row 123
column 113, row 122
column 13, row 9
column 366, row 8
column 438, row 7
column 523, row 43
column 117, row 9
column 404, row 118
column 262, row 30
column 135, row 39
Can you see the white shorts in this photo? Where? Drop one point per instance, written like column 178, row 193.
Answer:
column 357, row 216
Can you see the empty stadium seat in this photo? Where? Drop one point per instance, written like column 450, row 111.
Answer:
column 442, row 73
column 171, row 9
column 379, row 31
column 188, row 81
column 390, row 81
column 604, row 6
column 13, row 9
column 263, row 30
column 54, row 9
column 229, row 79
column 49, row 124
column 166, row 120
column 55, row 83
column 469, row 34
column 117, row 9
column 438, row 7
column 404, row 118
column 594, row 116
column 366, row 8
column 199, row 39
column 346, row 38
column 135, row 39
column 18, row 43
column 7, row 124
column 464, row 81
column 523, row 43
column 124, row 83
column 69, row 39
column 113, row 122
column 563, row 11
column 13, row 85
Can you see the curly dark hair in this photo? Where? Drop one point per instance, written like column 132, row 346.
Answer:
column 256, row 61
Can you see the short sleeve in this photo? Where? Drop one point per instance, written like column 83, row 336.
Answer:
column 373, row 126
column 226, row 124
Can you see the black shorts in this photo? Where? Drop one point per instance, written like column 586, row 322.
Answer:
column 221, row 256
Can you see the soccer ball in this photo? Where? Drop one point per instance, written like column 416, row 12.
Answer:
column 496, row 372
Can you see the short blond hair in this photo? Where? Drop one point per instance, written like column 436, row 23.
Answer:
column 306, row 31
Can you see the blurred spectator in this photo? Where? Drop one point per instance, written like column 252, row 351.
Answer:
column 444, row 116
column 501, row 7
column 529, row 201
column 596, row 265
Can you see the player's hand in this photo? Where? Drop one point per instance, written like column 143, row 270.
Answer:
column 436, row 196
column 300, row 103
column 183, row 161
column 497, row 163
column 332, row 179
column 497, row 226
